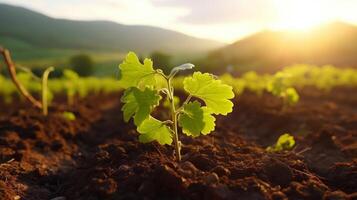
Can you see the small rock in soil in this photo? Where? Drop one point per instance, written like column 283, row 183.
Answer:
column 279, row 196
column 187, row 169
column 187, row 165
column 102, row 155
column 104, row 186
column 221, row 171
column 17, row 197
column 212, row 178
column 123, row 168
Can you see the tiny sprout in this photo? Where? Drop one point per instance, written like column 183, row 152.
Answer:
column 45, row 75
column 71, row 78
column 285, row 142
column 279, row 86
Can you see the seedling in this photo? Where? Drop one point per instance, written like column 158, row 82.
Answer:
column 71, row 78
column 23, row 91
column 143, row 93
column 285, row 142
column 279, row 86
column 45, row 95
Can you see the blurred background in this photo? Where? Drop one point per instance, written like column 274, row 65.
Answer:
column 235, row 36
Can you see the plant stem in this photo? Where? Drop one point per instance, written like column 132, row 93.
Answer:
column 174, row 114
column 184, row 103
column 12, row 71
column 174, row 120
column 45, row 75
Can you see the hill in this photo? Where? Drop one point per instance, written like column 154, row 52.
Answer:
column 268, row 51
column 42, row 31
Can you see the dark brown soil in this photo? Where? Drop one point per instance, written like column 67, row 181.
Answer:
column 98, row 156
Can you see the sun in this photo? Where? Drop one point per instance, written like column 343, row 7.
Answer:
column 301, row 14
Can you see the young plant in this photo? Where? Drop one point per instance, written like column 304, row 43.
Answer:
column 285, row 142
column 279, row 86
column 71, row 78
column 45, row 92
column 26, row 79
column 143, row 93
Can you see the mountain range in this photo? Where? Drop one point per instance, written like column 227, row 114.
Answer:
column 267, row 51
column 42, row 31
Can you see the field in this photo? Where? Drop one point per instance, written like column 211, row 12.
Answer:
column 178, row 100
column 97, row 155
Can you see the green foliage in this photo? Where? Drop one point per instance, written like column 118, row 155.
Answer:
column 254, row 82
column 82, row 64
column 213, row 92
column 167, row 103
column 69, row 116
column 45, row 92
column 142, row 95
column 196, row 119
column 154, row 130
column 291, row 96
column 139, row 103
column 285, row 142
column 237, row 84
column 135, row 74
column 279, row 86
column 324, row 78
column 70, row 82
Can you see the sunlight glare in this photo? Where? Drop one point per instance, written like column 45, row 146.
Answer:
column 301, row 14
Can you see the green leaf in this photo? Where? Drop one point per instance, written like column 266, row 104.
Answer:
column 152, row 129
column 167, row 102
column 69, row 74
column 69, row 116
column 139, row 104
column 291, row 96
column 135, row 74
column 196, row 119
column 209, row 120
column 213, row 92
column 285, row 142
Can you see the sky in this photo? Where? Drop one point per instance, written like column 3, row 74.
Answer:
column 223, row 20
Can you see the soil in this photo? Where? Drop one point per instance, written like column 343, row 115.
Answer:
column 98, row 156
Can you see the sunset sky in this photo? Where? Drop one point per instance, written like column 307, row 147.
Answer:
column 224, row 20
